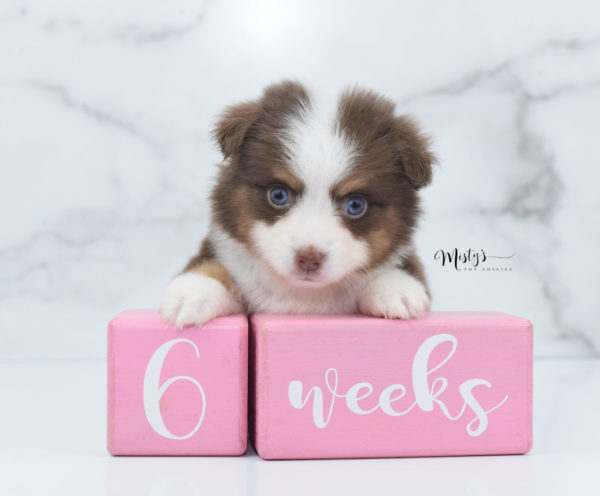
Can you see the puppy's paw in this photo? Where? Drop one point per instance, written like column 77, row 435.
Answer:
column 394, row 294
column 194, row 299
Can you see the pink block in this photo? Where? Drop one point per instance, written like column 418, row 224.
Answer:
column 174, row 392
column 450, row 383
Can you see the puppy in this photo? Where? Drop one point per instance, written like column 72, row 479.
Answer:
column 313, row 211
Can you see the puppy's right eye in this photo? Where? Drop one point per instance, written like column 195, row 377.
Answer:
column 355, row 206
column 278, row 196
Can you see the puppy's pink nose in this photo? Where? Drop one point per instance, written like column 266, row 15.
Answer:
column 309, row 259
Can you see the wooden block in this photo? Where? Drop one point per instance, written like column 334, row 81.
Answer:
column 450, row 383
column 174, row 392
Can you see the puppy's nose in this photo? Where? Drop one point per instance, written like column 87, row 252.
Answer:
column 309, row 259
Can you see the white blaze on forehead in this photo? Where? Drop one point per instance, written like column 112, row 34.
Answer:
column 319, row 152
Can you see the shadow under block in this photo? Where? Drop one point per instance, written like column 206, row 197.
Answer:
column 450, row 383
column 174, row 392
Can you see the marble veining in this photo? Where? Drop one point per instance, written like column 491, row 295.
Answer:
column 100, row 116
column 106, row 160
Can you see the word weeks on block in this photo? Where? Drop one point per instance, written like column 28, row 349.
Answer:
column 447, row 384
column 173, row 392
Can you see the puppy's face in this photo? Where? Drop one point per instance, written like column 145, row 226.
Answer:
column 319, row 190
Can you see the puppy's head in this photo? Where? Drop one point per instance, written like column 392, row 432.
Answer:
column 319, row 189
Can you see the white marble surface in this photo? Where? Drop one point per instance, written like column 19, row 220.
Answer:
column 105, row 161
column 53, row 431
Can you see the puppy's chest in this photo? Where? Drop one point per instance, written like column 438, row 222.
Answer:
column 266, row 299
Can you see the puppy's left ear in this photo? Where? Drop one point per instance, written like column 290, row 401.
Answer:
column 413, row 151
column 233, row 125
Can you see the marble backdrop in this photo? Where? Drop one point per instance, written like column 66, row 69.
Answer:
column 105, row 159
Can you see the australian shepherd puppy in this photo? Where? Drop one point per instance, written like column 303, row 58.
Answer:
column 313, row 211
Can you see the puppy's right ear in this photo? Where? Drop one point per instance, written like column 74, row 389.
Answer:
column 233, row 125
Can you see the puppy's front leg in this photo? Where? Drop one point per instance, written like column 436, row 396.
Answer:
column 202, row 292
column 396, row 292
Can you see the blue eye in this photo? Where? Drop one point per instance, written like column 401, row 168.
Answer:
column 279, row 196
column 355, row 206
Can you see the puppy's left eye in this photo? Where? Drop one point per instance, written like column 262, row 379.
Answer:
column 355, row 206
column 278, row 196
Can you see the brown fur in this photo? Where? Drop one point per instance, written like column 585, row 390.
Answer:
column 394, row 162
column 369, row 119
column 257, row 160
column 204, row 263
column 212, row 268
column 207, row 252
column 413, row 265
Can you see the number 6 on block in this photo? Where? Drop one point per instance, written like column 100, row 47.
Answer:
column 173, row 392
column 153, row 392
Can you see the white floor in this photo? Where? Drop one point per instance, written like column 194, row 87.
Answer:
column 52, row 441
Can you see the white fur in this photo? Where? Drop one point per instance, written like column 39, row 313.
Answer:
column 393, row 294
column 194, row 299
column 319, row 152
